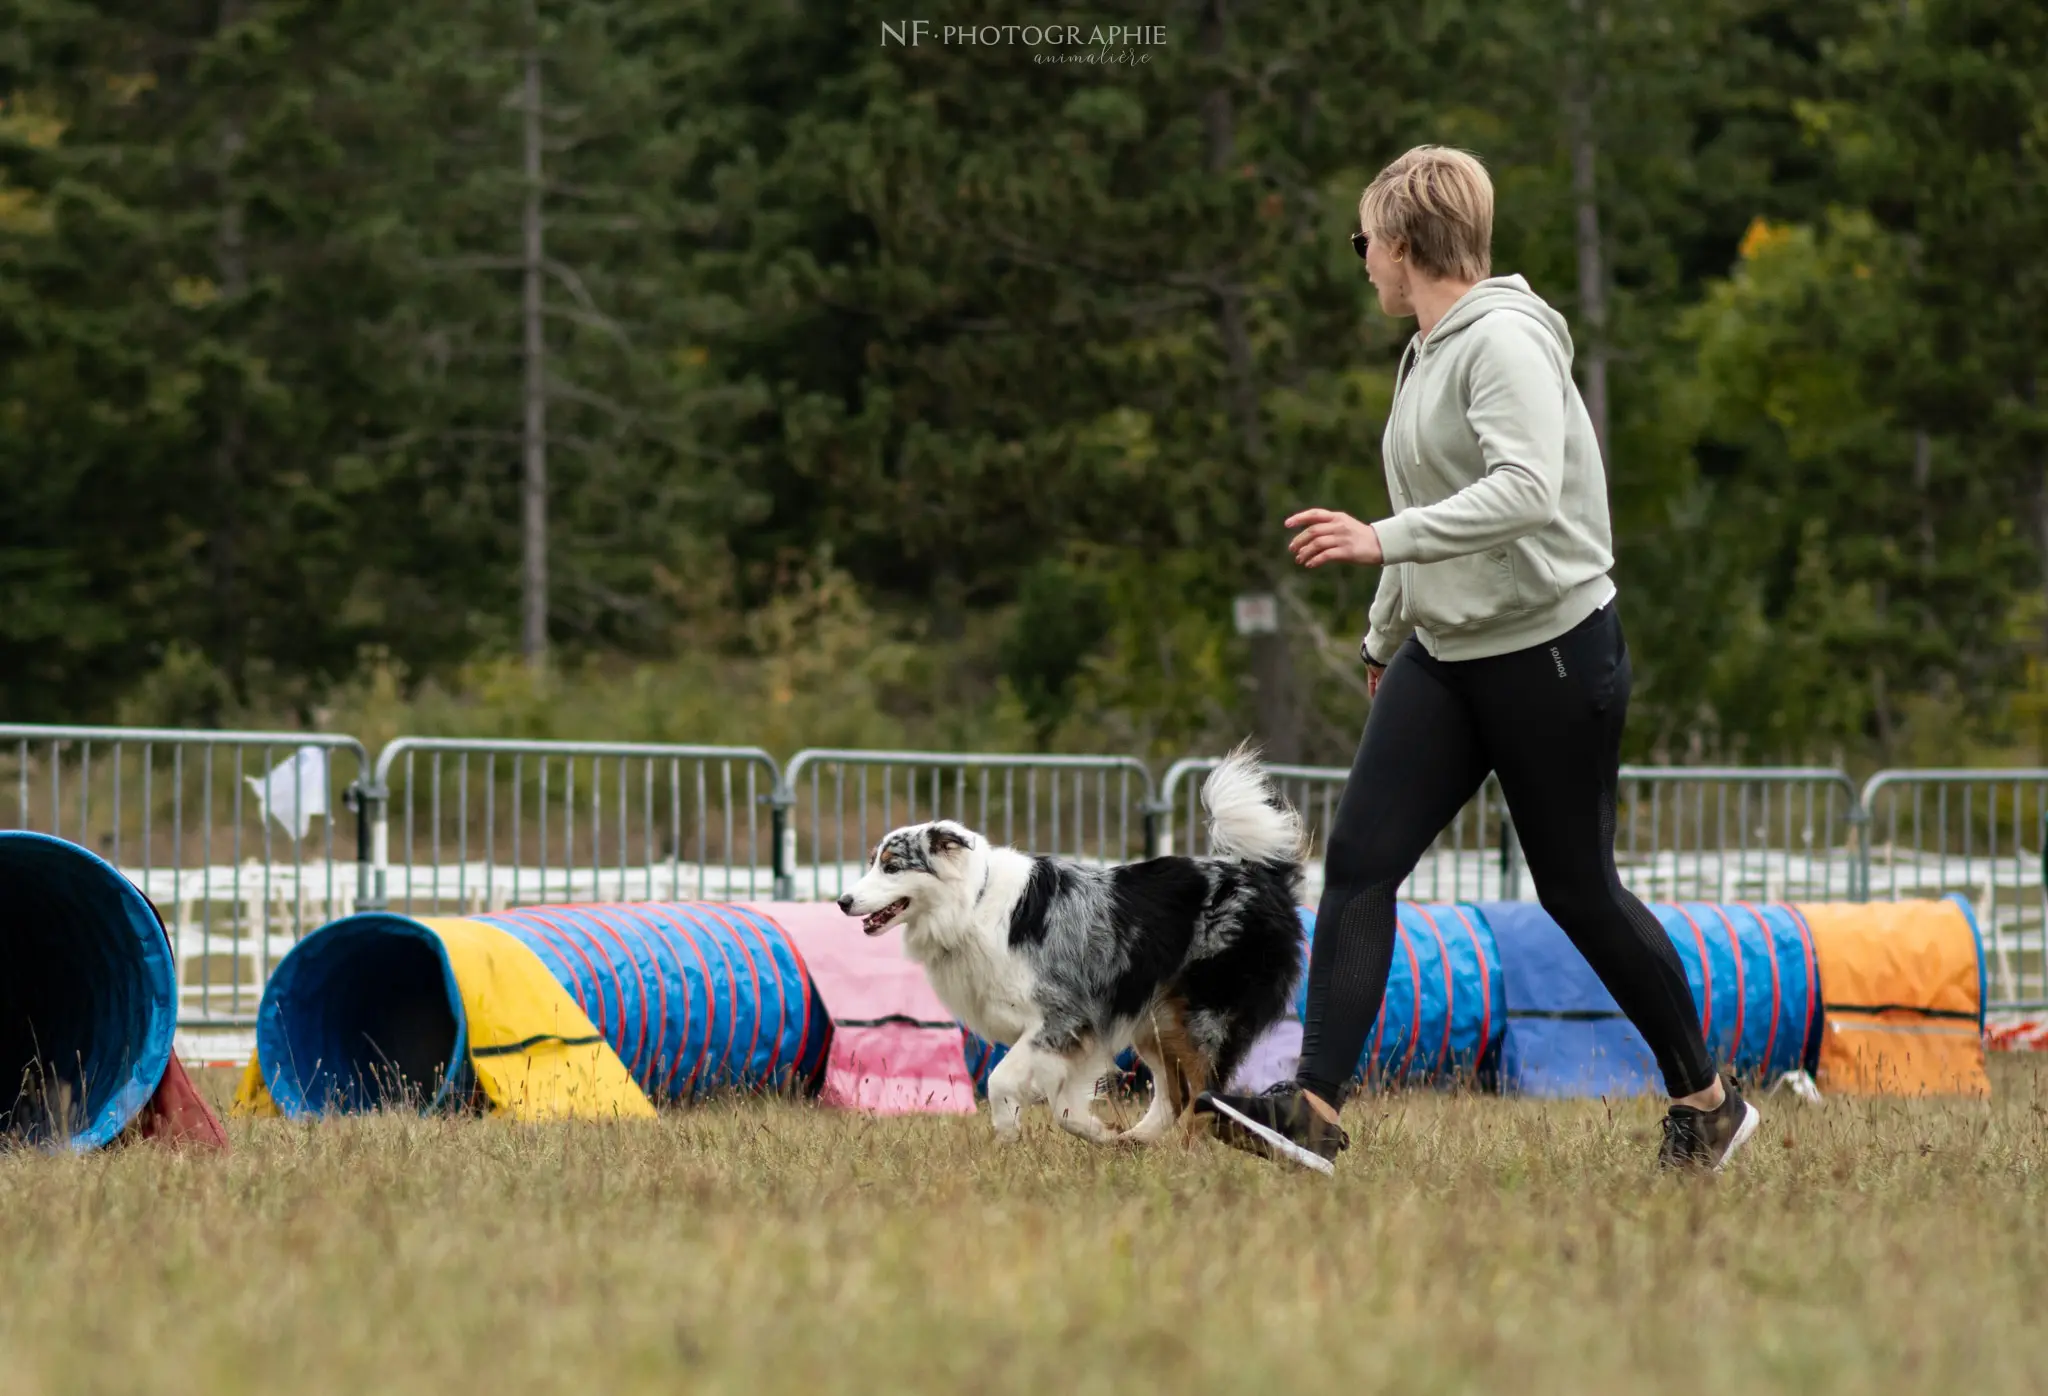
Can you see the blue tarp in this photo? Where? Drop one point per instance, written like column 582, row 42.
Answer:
column 1753, row 980
column 88, row 995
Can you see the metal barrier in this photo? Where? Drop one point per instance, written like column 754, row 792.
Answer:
column 484, row 825
column 1984, row 834
column 1088, row 807
column 1735, row 833
column 1475, row 858
column 216, row 828
column 1709, row 833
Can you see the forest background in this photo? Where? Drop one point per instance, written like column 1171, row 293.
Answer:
column 667, row 370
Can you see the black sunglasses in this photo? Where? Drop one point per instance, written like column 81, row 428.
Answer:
column 1359, row 243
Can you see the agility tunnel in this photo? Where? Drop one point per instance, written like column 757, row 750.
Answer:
column 544, row 1011
column 896, row 1048
column 88, row 1004
column 1903, row 990
column 1440, row 1022
column 1866, row 997
column 1753, row 977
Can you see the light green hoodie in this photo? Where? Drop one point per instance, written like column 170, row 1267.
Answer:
column 1500, row 537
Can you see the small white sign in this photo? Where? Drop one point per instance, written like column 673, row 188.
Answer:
column 1257, row 613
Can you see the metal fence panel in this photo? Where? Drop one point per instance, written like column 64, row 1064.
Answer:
column 1681, row 833
column 471, row 825
column 1739, row 833
column 1981, row 833
column 1474, row 859
column 209, row 826
column 840, row 803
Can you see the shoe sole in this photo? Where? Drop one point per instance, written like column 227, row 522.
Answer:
column 1280, row 1144
column 1751, row 1118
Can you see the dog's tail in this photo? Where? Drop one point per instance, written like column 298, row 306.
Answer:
column 1246, row 819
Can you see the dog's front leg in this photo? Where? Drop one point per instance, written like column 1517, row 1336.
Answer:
column 1009, row 1087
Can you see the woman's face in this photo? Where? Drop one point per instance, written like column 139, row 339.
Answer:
column 1389, row 277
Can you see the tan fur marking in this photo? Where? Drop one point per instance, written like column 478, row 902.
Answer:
column 1164, row 1031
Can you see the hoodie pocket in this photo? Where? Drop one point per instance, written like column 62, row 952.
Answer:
column 1464, row 591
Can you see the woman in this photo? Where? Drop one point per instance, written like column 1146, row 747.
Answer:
column 1494, row 645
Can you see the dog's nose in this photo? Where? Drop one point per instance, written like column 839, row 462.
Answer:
column 846, row 903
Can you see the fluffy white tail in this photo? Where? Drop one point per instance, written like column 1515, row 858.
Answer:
column 1246, row 820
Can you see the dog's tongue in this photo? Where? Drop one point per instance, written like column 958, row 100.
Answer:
column 875, row 921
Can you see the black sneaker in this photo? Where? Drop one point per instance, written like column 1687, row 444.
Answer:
column 1707, row 1139
column 1277, row 1124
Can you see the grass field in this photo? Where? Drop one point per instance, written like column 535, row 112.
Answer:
column 1467, row 1244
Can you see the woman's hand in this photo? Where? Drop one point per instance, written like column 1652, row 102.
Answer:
column 1333, row 537
column 1373, row 674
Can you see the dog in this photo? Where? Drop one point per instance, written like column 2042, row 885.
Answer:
column 1188, row 959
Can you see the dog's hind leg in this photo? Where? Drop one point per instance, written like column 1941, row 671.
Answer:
column 1160, row 1026
column 1073, row 1100
column 1193, row 1070
column 1159, row 1115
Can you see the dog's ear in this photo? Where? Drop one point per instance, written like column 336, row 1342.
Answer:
column 944, row 840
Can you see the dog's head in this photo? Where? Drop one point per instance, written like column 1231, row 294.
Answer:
column 915, row 870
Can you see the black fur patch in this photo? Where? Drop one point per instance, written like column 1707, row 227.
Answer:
column 1247, row 980
column 902, row 853
column 1027, row 917
column 1156, row 907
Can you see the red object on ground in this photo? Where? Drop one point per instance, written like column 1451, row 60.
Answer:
column 2025, row 1035
column 177, row 1114
column 895, row 1047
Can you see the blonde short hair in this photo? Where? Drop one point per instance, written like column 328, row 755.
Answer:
column 1438, row 203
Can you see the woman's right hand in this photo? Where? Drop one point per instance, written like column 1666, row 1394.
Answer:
column 1330, row 536
column 1373, row 673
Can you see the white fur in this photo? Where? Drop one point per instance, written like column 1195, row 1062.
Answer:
column 1243, row 823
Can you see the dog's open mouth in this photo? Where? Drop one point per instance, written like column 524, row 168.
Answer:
column 876, row 922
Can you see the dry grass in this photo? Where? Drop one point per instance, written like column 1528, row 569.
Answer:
column 1467, row 1244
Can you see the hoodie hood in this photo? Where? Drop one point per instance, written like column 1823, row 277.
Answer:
column 1498, row 293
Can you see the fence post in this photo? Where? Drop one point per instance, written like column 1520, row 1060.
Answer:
column 368, row 798
column 1859, row 829
column 1157, row 815
column 782, row 838
column 1510, row 859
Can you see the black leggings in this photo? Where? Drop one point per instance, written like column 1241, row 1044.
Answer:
column 1547, row 720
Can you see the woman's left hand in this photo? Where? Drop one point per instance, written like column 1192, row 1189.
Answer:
column 1334, row 537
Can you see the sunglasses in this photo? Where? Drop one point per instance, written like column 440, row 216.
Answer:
column 1359, row 243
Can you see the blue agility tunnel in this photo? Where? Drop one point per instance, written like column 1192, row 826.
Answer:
column 694, row 997
column 1753, row 978
column 362, row 1014
column 1441, row 1020
column 88, row 996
